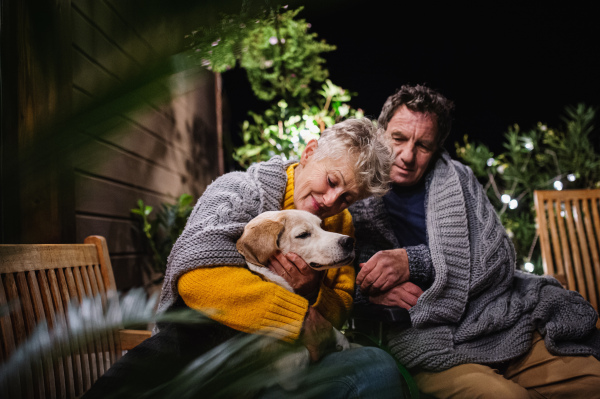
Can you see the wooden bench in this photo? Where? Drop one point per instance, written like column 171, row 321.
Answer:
column 42, row 280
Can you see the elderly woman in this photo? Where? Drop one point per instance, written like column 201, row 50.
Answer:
column 205, row 271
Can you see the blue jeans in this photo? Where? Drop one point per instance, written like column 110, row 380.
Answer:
column 364, row 372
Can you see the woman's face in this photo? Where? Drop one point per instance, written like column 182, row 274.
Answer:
column 324, row 187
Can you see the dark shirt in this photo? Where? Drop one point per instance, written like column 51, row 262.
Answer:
column 406, row 206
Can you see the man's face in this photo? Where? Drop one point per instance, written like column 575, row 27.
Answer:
column 413, row 138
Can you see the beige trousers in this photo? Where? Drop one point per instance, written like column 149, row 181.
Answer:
column 538, row 374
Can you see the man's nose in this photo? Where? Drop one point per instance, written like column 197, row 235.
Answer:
column 408, row 154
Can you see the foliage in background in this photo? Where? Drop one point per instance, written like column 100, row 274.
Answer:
column 285, row 130
column 283, row 64
column 541, row 158
column 162, row 232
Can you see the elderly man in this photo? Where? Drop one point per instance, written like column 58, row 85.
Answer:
column 434, row 245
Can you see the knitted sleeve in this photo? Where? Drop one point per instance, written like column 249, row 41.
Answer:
column 245, row 302
column 334, row 301
column 420, row 266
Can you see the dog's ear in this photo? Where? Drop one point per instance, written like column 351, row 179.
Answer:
column 259, row 241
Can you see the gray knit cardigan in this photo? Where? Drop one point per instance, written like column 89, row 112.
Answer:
column 479, row 309
column 218, row 221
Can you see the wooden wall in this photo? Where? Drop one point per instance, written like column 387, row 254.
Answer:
column 154, row 151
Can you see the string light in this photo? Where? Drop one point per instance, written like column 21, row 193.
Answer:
column 558, row 185
column 513, row 204
column 529, row 145
column 490, row 161
column 529, row 267
column 571, row 177
column 505, row 198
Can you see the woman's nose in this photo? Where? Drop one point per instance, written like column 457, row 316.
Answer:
column 331, row 197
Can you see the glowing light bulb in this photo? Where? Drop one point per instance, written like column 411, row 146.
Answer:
column 529, row 267
column 505, row 198
column 490, row 161
column 558, row 185
column 273, row 40
column 529, row 146
column 513, row 204
column 571, row 177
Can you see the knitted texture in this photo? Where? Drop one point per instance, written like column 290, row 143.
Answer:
column 478, row 309
column 218, row 220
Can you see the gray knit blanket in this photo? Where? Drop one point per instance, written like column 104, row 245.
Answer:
column 218, row 220
column 479, row 309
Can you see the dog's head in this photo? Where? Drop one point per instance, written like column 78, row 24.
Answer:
column 294, row 231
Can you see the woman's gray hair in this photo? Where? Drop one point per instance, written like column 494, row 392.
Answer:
column 359, row 138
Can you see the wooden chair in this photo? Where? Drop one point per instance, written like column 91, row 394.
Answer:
column 44, row 278
column 569, row 229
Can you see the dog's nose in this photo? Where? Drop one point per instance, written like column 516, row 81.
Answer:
column 347, row 243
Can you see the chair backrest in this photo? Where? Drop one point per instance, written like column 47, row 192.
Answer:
column 569, row 230
column 44, row 279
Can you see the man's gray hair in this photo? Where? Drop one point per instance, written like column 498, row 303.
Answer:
column 359, row 138
column 423, row 99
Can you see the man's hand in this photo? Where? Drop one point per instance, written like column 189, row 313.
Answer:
column 317, row 335
column 404, row 295
column 384, row 270
column 304, row 279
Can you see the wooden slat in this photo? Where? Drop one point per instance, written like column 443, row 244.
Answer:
column 38, row 307
column 575, row 251
column 95, row 195
column 51, row 317
column 96, row 340
column 587, row 287
column 102, row 159
column 18, row 258
column 86, row 372
column 99, row 48
column 12, row 295
column 126, row 233
column 102, row 338
column 67, row 363
column 104, row 261
column 6, row 331
column 541, row 208
column 566, row 258
column 92, row 362
column 115, row 28
column 75, row 349
column 555, row 219
column 112, row 342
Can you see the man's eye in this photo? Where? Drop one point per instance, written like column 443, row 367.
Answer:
column 306, row 234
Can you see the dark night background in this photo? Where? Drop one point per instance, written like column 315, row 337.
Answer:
column 501, row 64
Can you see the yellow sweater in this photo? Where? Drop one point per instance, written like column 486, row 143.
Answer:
column 244, row 301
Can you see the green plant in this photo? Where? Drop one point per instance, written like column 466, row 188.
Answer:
column 285, row 130
column 539, row 159
column 282, row 60
column 162, row 232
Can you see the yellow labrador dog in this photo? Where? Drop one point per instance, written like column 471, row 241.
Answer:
column 299, row 232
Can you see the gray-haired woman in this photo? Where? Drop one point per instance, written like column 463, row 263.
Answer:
column 205, row 272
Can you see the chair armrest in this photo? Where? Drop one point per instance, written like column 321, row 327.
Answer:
column 131, row 338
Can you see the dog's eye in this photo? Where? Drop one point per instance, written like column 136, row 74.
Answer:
column 306, row 234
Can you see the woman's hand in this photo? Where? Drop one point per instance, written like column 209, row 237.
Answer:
column 383, row 271
column 300, row 276
column 404, row 295
column 317, row 335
